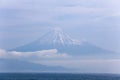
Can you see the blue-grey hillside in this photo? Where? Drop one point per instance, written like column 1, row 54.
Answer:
column 13, row 65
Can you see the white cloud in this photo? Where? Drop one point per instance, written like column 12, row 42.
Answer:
column 43, row 54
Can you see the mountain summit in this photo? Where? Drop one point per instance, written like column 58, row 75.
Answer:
column 57, row 39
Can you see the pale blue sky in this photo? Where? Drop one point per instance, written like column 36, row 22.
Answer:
column 22, row 21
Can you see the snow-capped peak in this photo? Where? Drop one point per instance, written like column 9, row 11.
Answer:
column 57, row 36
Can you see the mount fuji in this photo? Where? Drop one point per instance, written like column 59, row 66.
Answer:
column 57, row 39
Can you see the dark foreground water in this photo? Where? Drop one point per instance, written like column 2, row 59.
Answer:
column 57, row 76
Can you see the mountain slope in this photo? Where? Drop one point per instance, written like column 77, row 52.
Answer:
column 59, row 40
column 12, row 65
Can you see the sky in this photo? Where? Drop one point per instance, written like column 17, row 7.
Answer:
column 23, row 21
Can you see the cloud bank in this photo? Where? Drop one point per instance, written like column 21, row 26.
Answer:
column 53, row 58
column 43, row 54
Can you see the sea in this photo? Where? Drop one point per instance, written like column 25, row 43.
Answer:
column 57, row 76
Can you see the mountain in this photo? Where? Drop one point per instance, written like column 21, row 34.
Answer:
column 13, row 65
column 57, row 39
